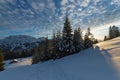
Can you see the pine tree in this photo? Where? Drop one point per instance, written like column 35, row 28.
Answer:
column 58, row 40
column 35, row 57
column 1, row 61
column 77, row 40
column 116, row 31
column 42, row 52
column 80, row 39
column 87, row 39
column 54, row 53
column 113, row 32
column 67, row 40
column 95, row 41
column 87, row 42
column 110, row 32
column 46, row 49
column 58, row 45
column 38, row 55
column 54, row 41
column 105, row 38
column 88, row 32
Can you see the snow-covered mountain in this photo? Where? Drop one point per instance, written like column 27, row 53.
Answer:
column 19, row 42
column 99, row 63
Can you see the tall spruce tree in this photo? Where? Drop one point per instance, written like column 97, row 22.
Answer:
column 105, row 38
column 87, row 40
column 58, row 40
column 113, row 32
column 58, row 44
column 54, row 42
column 35, row 58
column 80, row 39
column 1, row 61
column 116, row 31
column 88, row 32
column 42, row 53
column 67, row 40
column 38, row 55
column 77, row 40
column 47, row 49
column 110, row 32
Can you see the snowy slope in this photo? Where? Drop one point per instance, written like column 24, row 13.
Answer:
column 21, row 62
column 99, row 63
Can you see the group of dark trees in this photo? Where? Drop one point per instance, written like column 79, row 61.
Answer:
column 5, row 55
column 63, row 43
column 113, row 33
column 16, row 54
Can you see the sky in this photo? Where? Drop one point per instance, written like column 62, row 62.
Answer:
column 39, row 18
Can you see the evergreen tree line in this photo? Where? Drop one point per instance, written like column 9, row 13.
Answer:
column 5, row 55
column 113, row 33
column 63, row 43
column 12, row 54
column 16, row 54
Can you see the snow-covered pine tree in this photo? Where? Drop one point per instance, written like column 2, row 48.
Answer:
column 35, row 56
column 77, row 40
column 54, row 47
column 38, row 54
column 67, row 38
column 54, row 40
column 110, row 32
column 87, row 40
column 80, row 39
column 116, row 31
column 47, row 49
column 42, row 52
column 113, row 32
column 58, row 44
column 1, row 61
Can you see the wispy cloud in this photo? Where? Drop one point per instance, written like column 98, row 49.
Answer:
column 85, row 3
column 115, row 2
column 42, row 16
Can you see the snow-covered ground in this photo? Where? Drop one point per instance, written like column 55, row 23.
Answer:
column 20, row 62
column 99, row 63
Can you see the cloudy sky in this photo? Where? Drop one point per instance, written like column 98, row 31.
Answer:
column 40, row 17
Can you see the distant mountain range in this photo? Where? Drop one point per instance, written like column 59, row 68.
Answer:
column 19, row 42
